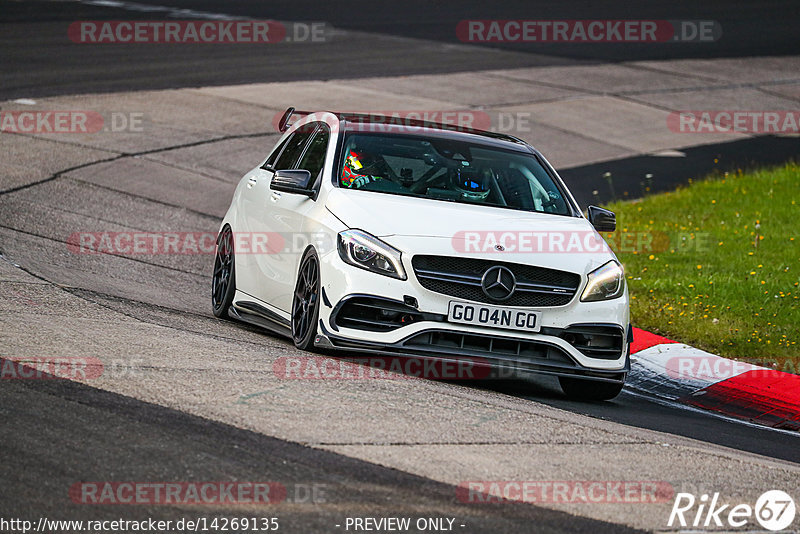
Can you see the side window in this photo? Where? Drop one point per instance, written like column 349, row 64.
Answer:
column 294, row 148
column 314, row 158
column 270, row 163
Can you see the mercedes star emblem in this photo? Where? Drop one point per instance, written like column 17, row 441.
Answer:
column 498, row 283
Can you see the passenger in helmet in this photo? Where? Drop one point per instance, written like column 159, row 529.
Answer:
column 356, row 168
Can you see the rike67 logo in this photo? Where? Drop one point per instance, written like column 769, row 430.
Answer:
column 774, row 510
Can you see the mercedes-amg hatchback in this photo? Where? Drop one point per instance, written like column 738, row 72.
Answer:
column 424, row 240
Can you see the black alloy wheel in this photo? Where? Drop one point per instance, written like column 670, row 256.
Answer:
column 305, row 304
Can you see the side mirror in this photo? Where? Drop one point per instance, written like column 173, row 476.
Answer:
column 296, row 181
column 602, row 220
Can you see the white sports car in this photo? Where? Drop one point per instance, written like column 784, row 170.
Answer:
column 424, row 240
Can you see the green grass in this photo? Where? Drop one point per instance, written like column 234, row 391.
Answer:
column 716, row 264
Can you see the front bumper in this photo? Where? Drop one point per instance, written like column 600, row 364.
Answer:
column 504, row 357
column 430, row 335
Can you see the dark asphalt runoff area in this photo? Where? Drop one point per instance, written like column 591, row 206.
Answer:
column 380, row 39
column 56, row 434
column 634, row 409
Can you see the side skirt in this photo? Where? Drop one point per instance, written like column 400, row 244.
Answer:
column 254, row 313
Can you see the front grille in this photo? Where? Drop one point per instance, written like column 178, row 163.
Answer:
column 461, row 278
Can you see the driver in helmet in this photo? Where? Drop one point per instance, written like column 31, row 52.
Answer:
column 355, row 170
column 470, row 184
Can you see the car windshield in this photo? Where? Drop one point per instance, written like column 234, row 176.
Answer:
column 449, row 170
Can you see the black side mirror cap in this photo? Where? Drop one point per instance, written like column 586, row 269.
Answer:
column 603, row 220
column 297, row 181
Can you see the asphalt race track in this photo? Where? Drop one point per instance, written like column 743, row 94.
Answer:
column 187, row 397
column 371, row 39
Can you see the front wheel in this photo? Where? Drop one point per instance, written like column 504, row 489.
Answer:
column 305, row 304
column 576, row 388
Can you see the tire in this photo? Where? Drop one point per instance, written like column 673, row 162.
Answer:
column 223, row 281
column 576, row 388
column 305, row 302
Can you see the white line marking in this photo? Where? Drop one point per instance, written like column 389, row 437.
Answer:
column 170, row 11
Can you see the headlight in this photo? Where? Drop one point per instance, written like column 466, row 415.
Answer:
column 605, row 283
column 368, row 252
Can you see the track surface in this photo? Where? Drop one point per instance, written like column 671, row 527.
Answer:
column 379, row 39
column 200, row 401
column 145, row 442
column 631, row 408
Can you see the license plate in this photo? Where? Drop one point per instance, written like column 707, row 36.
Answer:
column 494, row 316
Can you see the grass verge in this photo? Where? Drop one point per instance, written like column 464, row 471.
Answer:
column 716, row 264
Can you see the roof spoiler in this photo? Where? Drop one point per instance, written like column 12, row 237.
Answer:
column 283, row 124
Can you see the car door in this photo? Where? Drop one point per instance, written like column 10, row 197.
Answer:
column 256, row 237
column 274, row 222
column 288, row 217
column 246, row 279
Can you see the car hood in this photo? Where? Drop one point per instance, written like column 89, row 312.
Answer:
column 424, row 226
column 383, row 215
